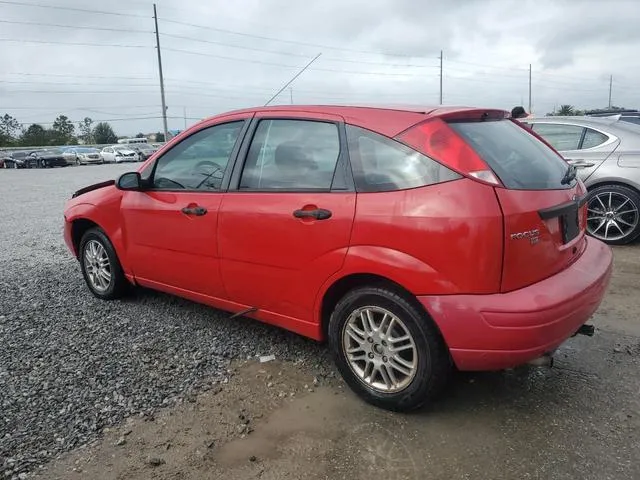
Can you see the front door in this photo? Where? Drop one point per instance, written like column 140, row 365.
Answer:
column 285, row 229
column 171, row 226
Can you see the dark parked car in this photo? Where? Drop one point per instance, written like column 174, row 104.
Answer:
column 51, row 157
column 16, row 159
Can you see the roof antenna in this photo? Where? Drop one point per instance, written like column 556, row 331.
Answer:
column 291, row 81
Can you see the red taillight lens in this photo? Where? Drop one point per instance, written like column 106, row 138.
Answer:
column 437, row 140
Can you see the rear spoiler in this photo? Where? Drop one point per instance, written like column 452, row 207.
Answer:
column 93, row 187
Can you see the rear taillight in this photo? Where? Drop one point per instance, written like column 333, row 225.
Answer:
column 437, row 140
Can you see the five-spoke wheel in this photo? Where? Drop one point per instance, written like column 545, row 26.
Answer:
column 613, row 214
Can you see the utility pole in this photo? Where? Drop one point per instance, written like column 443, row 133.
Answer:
column 184, row 111
column 610, row 87
column 529, row 111
column 440, row 77
column 164, row 105
column 291, row 94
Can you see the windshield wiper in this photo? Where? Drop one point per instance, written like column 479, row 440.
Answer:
column 569, row 175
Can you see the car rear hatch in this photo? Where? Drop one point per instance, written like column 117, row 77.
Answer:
column 543, row 204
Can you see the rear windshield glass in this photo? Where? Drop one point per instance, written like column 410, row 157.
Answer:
column 519, row 159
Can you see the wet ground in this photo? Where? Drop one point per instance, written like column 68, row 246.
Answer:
column 578, row 420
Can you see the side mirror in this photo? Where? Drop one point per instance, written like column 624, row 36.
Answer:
column 129, row 181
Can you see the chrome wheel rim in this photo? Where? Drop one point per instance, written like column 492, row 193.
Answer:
column 97, row 265
column 380, row 349
column 611, row 216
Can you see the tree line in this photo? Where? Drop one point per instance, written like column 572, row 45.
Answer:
column 570, row 110
column 62, row 132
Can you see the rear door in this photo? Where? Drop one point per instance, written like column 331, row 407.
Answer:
column 584, row 147
column 286, row 221
column 544, row 212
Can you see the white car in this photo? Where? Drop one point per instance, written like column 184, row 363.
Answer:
column 82, row 155
column 119, row 154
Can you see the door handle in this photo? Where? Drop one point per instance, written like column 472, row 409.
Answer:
column 318, row 214
column 195, row 210
column 580, row 163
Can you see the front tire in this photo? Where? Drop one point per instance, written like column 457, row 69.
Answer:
column 387, row 349
column 101, row 268
column 613, row 214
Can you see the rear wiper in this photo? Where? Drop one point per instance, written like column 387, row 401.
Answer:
column 569, row 175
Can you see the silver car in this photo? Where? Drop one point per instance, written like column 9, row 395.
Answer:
column 82, row 155
column 606, row 152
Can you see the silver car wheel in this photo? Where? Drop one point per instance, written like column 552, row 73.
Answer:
column 97, row 265
column 380, row 349
column 611, row 216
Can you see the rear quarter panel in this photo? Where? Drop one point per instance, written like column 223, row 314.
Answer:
column 439, row 239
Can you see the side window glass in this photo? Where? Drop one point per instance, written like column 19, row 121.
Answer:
column 561, row 137
column 593, row 138
column 381, row 164
column 291, row 155
column 199, row 161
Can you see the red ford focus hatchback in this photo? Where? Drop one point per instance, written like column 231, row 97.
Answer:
column 414, row 240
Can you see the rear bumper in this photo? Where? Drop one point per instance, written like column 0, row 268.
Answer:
column 493, row 332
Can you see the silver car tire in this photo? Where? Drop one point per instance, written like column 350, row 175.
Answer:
column 613, row 214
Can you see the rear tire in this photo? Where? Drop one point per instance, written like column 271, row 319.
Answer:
column 378, row 365
column 614, row 214
column 100, row 266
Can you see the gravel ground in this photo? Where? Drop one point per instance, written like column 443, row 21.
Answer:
column 72, row 365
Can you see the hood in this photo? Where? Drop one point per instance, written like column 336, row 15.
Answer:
column 125, row 151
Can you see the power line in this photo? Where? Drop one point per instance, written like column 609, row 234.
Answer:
column 82, row 44
column 72, row 9
column 273, row 39
column 46, row 74
column 104, row 120
column 290, row 54
column 245, row 60
column 23, row 82
column 80, row 27
column 22, row 107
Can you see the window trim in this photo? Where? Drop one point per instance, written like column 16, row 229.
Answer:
column 227, row 172
column 610, row 137
column 342, row 161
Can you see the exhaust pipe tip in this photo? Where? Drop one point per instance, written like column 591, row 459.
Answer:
column 587, row 330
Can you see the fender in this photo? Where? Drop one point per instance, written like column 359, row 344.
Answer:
column 411, row 273
column 107, row 217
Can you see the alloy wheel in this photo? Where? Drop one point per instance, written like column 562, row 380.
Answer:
column 97, row 265
column 611, row 216
column 379, row 349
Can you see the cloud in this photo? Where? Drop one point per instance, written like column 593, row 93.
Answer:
column 381, row 51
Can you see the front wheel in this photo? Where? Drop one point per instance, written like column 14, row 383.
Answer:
column 613, row 214
column 387, row 349
column 100, row 266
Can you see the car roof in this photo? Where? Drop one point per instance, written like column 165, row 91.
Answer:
column 387, row 119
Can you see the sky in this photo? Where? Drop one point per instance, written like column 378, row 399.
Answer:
column 85, row 58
